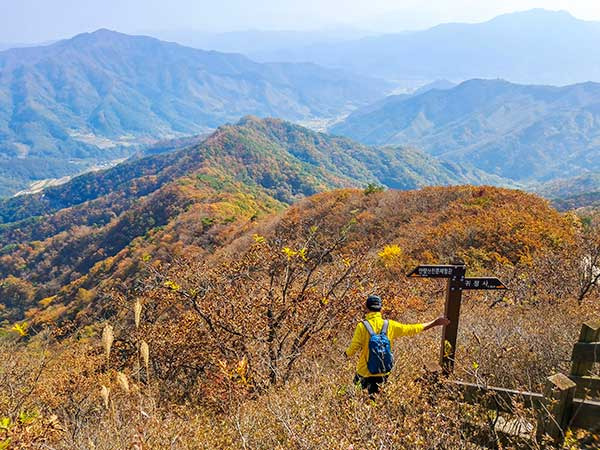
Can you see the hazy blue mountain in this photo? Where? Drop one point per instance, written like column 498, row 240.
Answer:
column 537, row 46
column 366, row 111
column 569, row 187
column 521, row 132
column 91, row 97
column 437, row 84
column 9, row 45
column 260, row 45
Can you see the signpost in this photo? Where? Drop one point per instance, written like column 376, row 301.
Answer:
column 457, row 282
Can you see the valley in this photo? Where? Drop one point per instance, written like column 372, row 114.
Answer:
column 38, row 186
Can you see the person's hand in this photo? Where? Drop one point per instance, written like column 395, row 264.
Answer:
column 441, row 321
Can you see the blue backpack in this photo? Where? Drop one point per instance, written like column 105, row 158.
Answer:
column 381, row 359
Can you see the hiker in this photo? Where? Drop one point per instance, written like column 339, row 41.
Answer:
column 373, row 337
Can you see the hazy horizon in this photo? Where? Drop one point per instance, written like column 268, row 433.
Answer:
column 37, row 21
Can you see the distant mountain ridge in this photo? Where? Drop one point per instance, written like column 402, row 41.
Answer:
column 536, row 46
column 91, row 97
column 257, row 43
column 521, row 132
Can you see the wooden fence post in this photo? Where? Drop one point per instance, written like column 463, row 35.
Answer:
column 581, row 370
column 555, row 411
column 590, row 332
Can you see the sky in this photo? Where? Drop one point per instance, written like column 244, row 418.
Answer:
column 30, row 21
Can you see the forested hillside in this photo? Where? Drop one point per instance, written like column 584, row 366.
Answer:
column 565, row 187
column 573, row 193
column 397, row 167
column 68, row 235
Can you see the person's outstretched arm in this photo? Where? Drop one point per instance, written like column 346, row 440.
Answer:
column 440, row 321
column 398, row 329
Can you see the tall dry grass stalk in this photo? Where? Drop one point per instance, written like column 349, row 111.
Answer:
column 105, row 393
column 123, row 381
column 108, row 338
column 137, row 310
column 145, row 352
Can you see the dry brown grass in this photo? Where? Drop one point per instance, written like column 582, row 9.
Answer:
column 318, row 408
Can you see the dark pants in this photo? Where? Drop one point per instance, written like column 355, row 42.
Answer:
column 371, row 384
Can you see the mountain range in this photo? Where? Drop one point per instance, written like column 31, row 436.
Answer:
column 71, row 104
column 99, row 98
column 522, row 132
column 536, row 46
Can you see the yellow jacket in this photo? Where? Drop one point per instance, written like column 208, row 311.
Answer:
column 360, row 340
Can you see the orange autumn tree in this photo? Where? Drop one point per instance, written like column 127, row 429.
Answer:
column 261, row 307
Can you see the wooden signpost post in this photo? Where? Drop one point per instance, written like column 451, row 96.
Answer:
column 457, row 282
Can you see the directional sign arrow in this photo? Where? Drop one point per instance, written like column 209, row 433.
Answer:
column 437, row 271
column 483, row 283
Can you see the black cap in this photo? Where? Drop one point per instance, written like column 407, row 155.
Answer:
column 374, row 303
